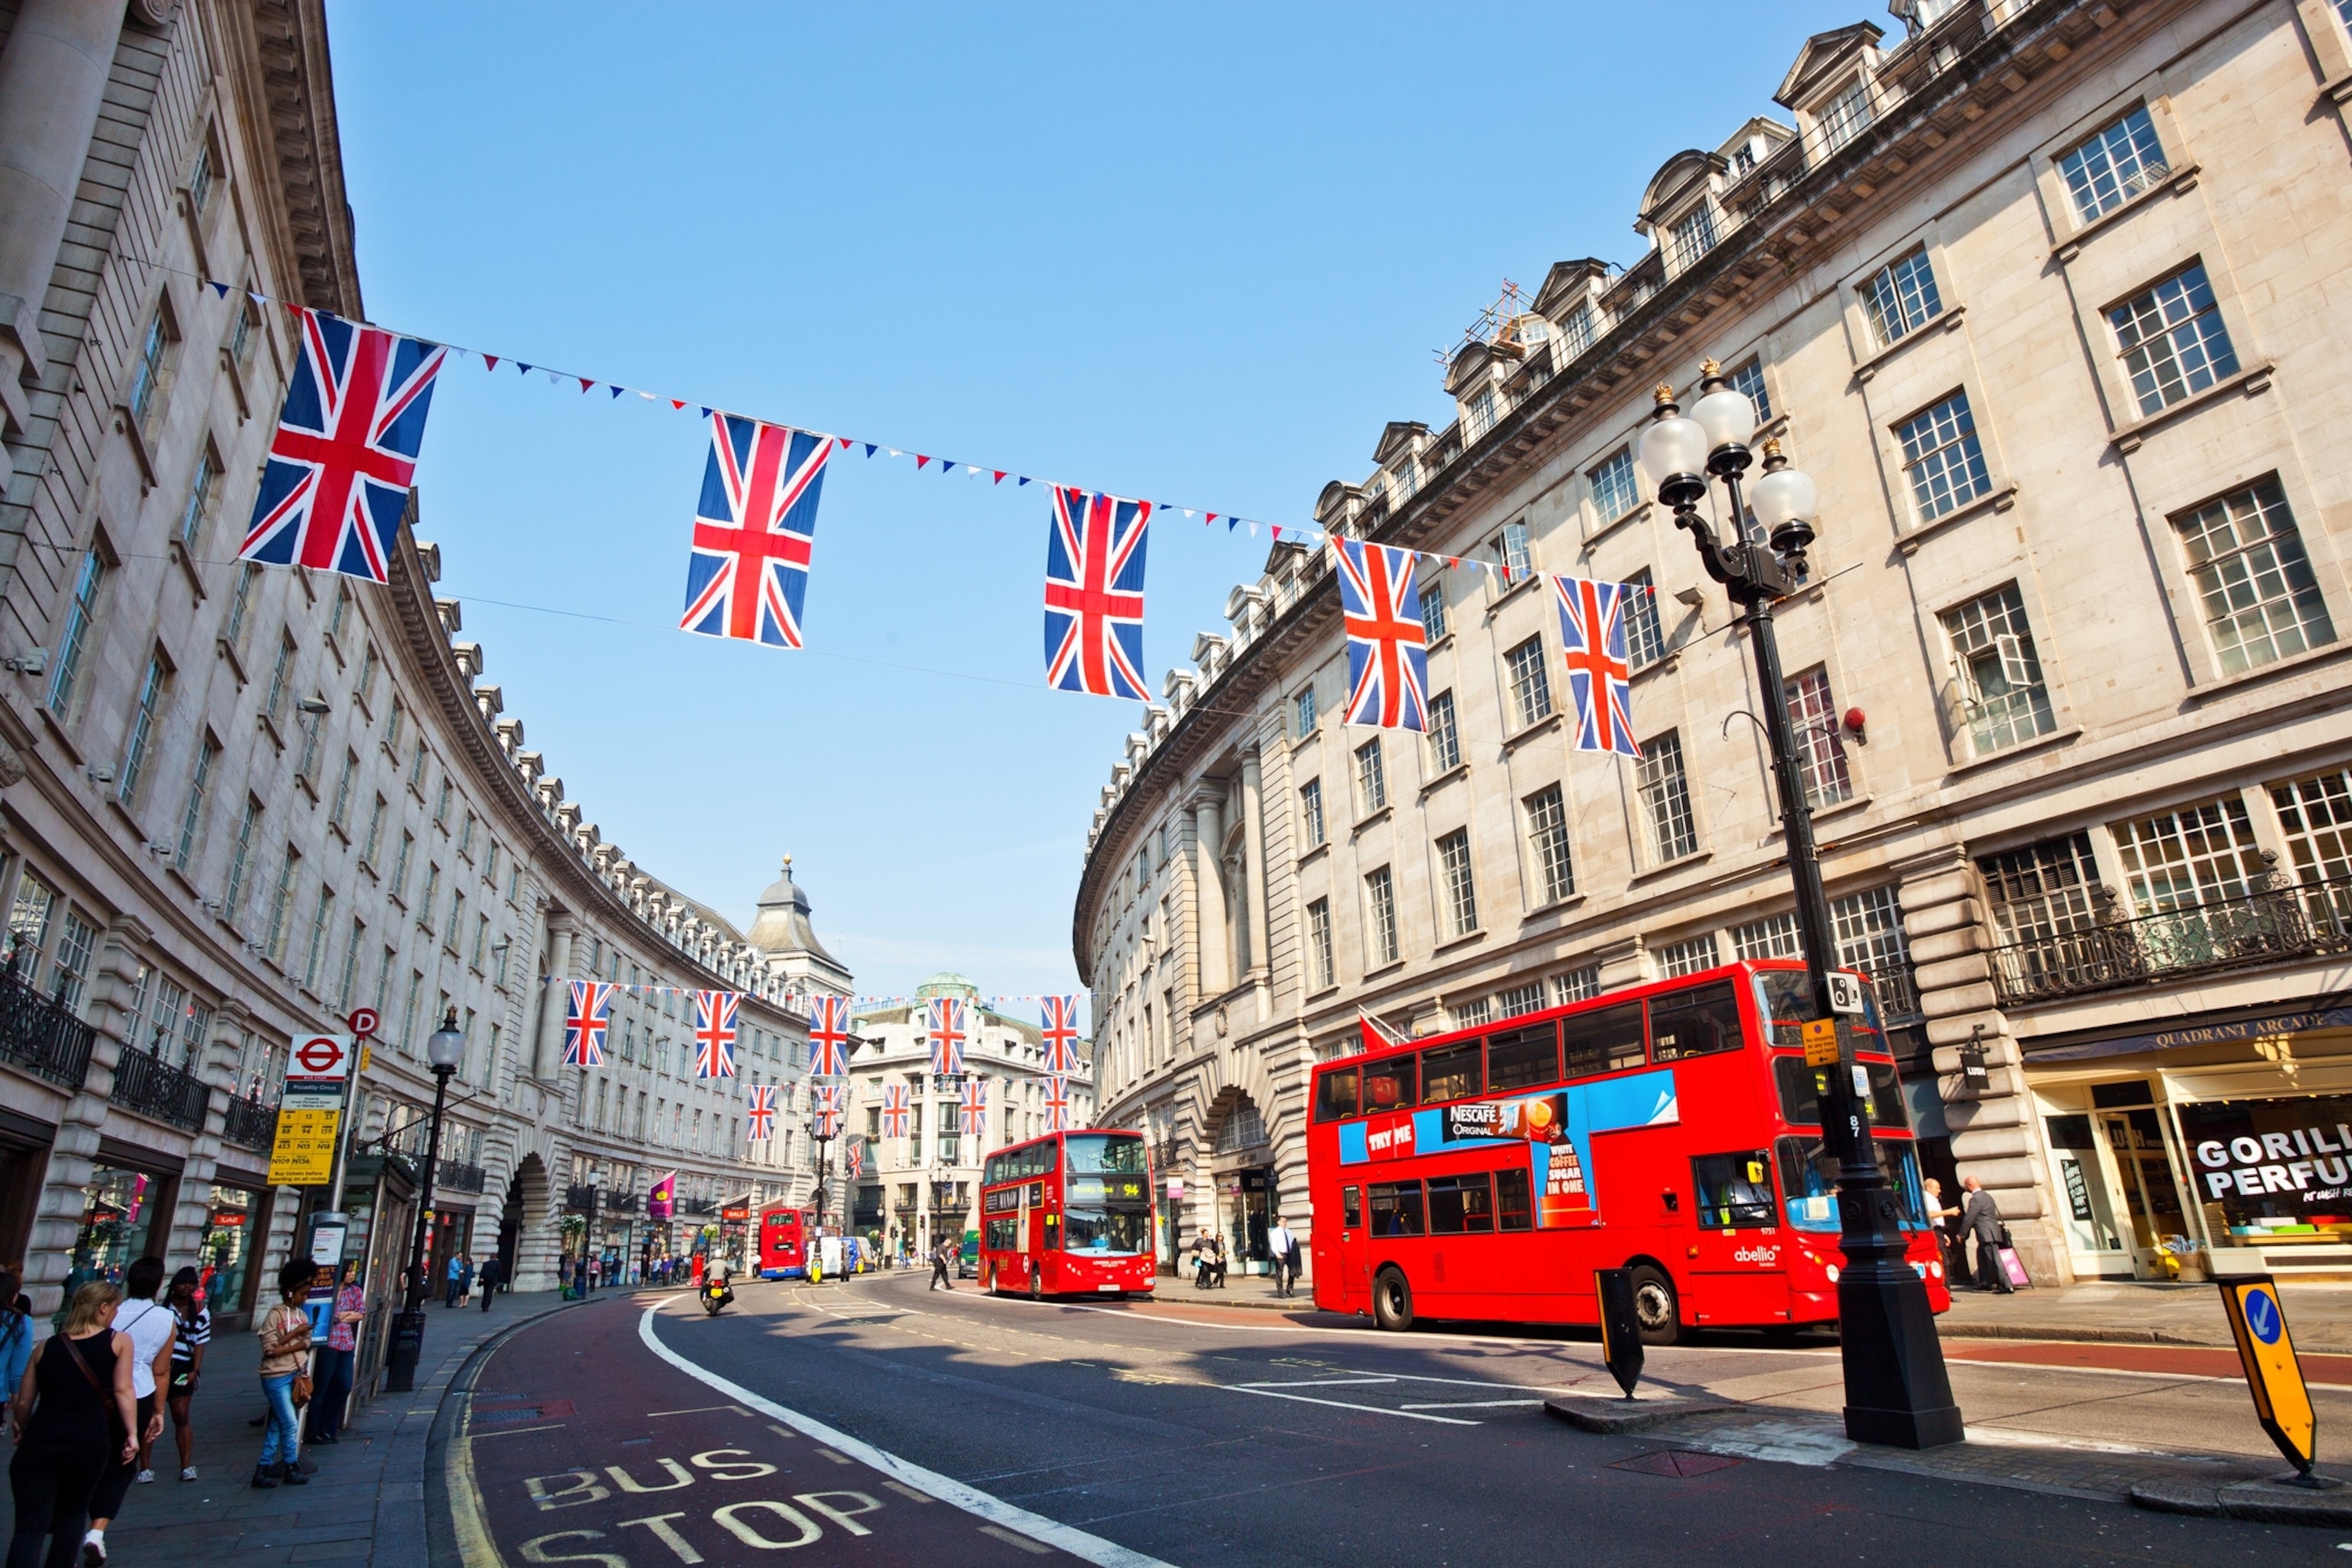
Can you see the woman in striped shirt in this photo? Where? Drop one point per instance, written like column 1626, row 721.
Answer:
column 191, row 1331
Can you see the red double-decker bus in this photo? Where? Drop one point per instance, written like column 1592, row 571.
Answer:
column 1068, row 1212
column 1672, row 1129
column 783, row 1242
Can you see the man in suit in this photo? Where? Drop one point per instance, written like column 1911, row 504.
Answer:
column 1980, row 1217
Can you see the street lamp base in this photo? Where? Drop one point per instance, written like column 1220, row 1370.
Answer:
column 407, row 1346
column 1898, row 1392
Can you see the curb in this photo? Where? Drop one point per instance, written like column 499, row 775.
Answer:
column 2260, row 1502
column 1607, row 1415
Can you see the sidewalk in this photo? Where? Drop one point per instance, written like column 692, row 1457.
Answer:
column 365, row 1504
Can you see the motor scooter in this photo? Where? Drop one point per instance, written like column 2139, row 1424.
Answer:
column 716, row 1294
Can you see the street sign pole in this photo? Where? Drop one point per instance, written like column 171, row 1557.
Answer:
column 363, row 1023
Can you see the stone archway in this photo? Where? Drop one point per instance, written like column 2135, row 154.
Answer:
column 527, row 1242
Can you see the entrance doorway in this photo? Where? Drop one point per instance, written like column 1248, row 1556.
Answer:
column 2151, row 1198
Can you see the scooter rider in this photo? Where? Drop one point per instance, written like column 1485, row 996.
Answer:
column 717, row 1292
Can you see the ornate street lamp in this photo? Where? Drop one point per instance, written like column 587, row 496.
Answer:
column 444, row 1051
column 1896, row 1389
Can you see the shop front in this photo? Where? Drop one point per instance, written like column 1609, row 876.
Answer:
column 127, row 1206
column 1249, row 1204
column 237, row 1225
column 615, row 1250
column 2223, row 1146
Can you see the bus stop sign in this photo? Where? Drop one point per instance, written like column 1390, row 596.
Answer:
column 2273, row 1375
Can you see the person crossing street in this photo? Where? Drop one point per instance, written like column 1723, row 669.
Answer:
column 942, row 1257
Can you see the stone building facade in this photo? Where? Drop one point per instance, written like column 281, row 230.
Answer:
column 236, row 803
column 2045, row 296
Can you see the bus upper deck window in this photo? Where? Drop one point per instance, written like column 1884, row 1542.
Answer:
column 1335, row 1095
column 1523, row 1059
column 1605, row 1041
column 1695, row 1023
column 1390, row 1085
column 1452, row 1072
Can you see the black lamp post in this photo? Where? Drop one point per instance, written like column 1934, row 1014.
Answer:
column 444, row 1051
column 818, row 1130
column 1896, row 1389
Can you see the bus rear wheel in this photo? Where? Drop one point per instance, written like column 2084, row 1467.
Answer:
column 1655, row 1307
column 1392, row 1301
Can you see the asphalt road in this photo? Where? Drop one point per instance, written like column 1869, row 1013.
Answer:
column 985, row 1430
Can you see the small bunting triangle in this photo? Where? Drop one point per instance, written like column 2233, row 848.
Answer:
column 220, row 290
column 586, row 383
column 869, row 448
column 678, row 403
column 489, row 362
column 1000, row 475
column 618, row 390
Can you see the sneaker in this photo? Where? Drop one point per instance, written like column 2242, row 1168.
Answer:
column 188, row 1473
column 143, row 1477
column 292, row 1475
column 93, row 1549
column 265, row 1477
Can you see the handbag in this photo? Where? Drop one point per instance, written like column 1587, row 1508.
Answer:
column 299, row 1392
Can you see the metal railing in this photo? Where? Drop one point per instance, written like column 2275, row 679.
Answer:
column 250, row 1124
column 580, row 1199
column 146, row 1083
column 2299, row 920
column 40, row 1033
column 458, row 1176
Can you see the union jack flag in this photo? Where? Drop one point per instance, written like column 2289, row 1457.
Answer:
column 714, row 1032
column 828, row 1035
column 1061, row 1034
column 828, row 1109
column 1599, row 685
column 975, row 1106
column 753, row 531
column 1058, row 1104
column 1094, row 595
column 764, row 1112
column 337, row 481
column 587, row 1015
column 1388, row 667
column 947, row 1036
column 853, row 1160
column 895, row 1105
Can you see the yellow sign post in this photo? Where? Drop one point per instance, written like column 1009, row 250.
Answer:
column 1820, row 1042
column 2273, row 1375
column 303, row 1155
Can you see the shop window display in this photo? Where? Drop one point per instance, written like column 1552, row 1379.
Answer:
column 119, row 1210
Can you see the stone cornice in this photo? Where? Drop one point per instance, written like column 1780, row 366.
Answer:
column 292, row 92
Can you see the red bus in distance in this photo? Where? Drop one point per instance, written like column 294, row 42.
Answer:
column 782, row 1242
column 1068, row 1214
column 1671, row 1128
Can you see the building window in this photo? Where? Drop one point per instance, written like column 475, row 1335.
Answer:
column 1614, row 492
column 432, row 896
column 1310, row 811
column 1461, row 882
column 1380, row 918
column 2114, row 165
column 70, row 972
column 1691, row 237
column 2041, row 890
column 2003, row 698
column 2316, row 818
column 340, row 812
column 2262, row 601
column 1548, row 847
column 1820, row 739
column 240, row 604
column 274, row 704
column 1432, row 610
column 400, row 866
column 1576, row 333
column 1303, row 710
column 374, row 840
column 1406, row 479
column 147, row 378
column 81, row 617
column 1941, row 455
column 152, row 687
column 1371, row 782
column 1530, row 689
column 1775, row 936
column 1511, row 548
column 1478, row 414
column 192, row 815
column 1519, row 999
column 1901, row 298
column 232, row 901
column 1749, row 381
column 1844, row 116
column 1868, row 927
column 1445, row 736
column 1683, row 957
column 1666, row 798
column 200, row 500
column 1576, row 985
column 2172, row 340
column 1645, row 640
column 316, row 950
column 1474, row 1014
column 200, row 178
column 1318, row 943
column 273, row 942
column 2195, row 855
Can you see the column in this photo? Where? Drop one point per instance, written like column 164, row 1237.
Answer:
column 1210, row 939
column 1254, row 875
column 552, row 1006
column 113, row 982
column 52, row 83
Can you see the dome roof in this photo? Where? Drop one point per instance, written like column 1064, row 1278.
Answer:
column 783, row 923
column 947, row 983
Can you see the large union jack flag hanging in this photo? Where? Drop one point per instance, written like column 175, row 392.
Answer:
column 828, row 1035
column 1058, row 1104
column 337, row 479
column 1599, row 685
column 1387, row 666
column 1094, row 595
column 894, row 1105
column 762, row 1115
column 975, row 1106
column 1061, row 1032
column 946, row 1032
column 587, row 1014
column 753, row 531
column 828, row 1109
column 714, row 1032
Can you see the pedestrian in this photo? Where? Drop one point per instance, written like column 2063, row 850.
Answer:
column 465, row 1280
column 147, row 1324
column 493, row 1274
column 939, row 1255
column 1980, row 1217
column 334, row 1373
column 285, row 1334
column 191, row 1331
column 1283, row 1249
column 16, row 1333
column 74, row 1416
column 1947, row 1241
column 563, row 1277
column 454, row 1273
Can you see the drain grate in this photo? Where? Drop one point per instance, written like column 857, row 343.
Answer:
column 1675, row 1462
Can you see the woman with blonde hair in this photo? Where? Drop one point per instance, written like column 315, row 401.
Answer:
column 74, row 1415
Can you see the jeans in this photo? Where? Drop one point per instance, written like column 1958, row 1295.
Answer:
column 52, row 1488
column 280, row 1444
column 332, row 1393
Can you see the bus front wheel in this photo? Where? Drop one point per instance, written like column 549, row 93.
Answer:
column 1655, row 1307
column 1036, row 1283
column 1391, row 1301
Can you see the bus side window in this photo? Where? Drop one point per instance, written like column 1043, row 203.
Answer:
column 1351, row 1208
column 1396, row 1209
column 1388, row 1085
column 1460, row 1205
column 1335, row 1095
column 1524, row 1059
column 1512, row 1211
column 1735, row 1190
column 1605, row 1041
column 1450, row 1072
column 1695, row 1023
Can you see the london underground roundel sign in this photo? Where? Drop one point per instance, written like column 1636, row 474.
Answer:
column 318, row 1055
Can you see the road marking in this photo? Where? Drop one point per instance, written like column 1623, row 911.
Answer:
column 1023, row 1542
column 701, row 1410
column 836, row 1458
column 476, row 1547
column 512, row 1431
column 1470, row 1404
column 1078, row 1543
column 908, row 1492
column 1342, row 1404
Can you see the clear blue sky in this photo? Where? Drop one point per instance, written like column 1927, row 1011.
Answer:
column 1193, row 253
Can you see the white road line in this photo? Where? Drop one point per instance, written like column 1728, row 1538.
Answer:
column 1470, row 1404
column 1338, row 1404
column 1077, row 1543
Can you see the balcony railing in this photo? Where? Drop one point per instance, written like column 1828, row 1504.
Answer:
column 2303, row 921
column 458, row 1176
column 151, row 1085
column 40, row 1033
column 580, row 1199
column 250, row 1123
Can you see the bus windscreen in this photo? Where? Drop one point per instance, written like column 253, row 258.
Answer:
column 1101, row 1154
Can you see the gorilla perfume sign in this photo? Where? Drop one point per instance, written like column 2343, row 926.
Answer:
column 2273, row 1160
